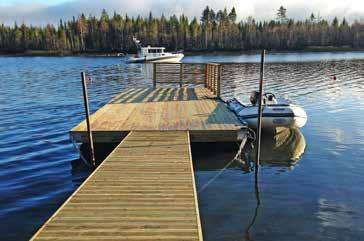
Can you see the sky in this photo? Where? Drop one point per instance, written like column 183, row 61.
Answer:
column 41, row 12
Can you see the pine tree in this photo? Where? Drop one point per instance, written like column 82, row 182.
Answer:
column 282, row 15
column 214, row 31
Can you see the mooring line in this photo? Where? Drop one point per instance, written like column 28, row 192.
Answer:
column 237, row 157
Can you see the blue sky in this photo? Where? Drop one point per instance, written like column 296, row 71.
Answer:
column 40, row 12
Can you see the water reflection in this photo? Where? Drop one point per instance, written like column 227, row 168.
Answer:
column 285, row 147
column 256, row 210
column 41, row 99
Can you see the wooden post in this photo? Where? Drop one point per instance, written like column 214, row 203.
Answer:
column 259, row 125
column 180, row 75
column 218, row 81
column 214, row 79
column 209, row 76
column 85, row 98
column 154, row 75
column 206, row 75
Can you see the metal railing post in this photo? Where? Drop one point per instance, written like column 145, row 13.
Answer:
column 87, row 111
column 260, row 112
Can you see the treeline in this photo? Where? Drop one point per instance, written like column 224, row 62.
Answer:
column 213, row 31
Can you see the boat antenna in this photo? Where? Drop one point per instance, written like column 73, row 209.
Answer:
column 137, row 43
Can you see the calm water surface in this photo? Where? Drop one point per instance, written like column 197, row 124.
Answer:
column 318, row 196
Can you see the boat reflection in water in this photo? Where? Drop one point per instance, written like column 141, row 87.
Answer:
column 285, row 147
column 221, row 178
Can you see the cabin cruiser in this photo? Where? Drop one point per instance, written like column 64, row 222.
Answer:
column 276, row 112
column 154, row 54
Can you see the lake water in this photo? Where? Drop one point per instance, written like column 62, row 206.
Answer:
column 310, row 183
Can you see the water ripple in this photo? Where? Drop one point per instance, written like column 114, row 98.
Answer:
column 41, row 100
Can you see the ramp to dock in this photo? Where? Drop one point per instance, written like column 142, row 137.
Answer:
column 144, row 190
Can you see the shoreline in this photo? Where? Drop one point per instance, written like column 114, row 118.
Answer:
column 43, row 53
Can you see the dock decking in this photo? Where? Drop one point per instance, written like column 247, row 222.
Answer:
column 144, row 190
column 162, row 109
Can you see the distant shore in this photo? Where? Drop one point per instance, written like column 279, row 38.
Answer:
column 58, row 53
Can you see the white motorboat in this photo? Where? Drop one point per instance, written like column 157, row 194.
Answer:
column 277, row 112
column 154, row 54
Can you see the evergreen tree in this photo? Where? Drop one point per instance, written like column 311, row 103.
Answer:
column 281, row 14
column 214, row 31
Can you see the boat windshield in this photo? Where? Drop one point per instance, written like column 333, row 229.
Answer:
column 155, row 51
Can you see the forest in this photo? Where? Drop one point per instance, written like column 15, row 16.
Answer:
column 214, row 31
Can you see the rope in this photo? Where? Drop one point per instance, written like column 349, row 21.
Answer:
column 215, row 177
column 237, row 157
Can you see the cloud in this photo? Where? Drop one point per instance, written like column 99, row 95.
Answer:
column 41, row 13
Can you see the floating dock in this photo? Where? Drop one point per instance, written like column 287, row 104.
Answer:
column 162, row 109
column 145, row 189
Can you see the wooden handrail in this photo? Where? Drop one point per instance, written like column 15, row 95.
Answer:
column 183, row 73
column 213, row 78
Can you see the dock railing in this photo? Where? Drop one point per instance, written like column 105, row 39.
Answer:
column 187, row 74
column 213, row 78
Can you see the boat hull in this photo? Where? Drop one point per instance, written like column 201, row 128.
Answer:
column 273, row 116
column 275, row 122
column 175, row 58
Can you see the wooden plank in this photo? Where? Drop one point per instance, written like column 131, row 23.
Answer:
column 154, row 198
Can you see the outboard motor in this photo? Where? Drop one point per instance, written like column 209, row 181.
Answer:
column 254, row 97
column 270, row 99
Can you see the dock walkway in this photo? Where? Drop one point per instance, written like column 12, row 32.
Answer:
column 144, row 190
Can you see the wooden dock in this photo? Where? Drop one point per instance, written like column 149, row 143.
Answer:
column 162, row 109
column 137, row 193
column 145, row 189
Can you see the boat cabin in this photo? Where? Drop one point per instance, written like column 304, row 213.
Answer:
column 151, row 51
column 153, row 54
